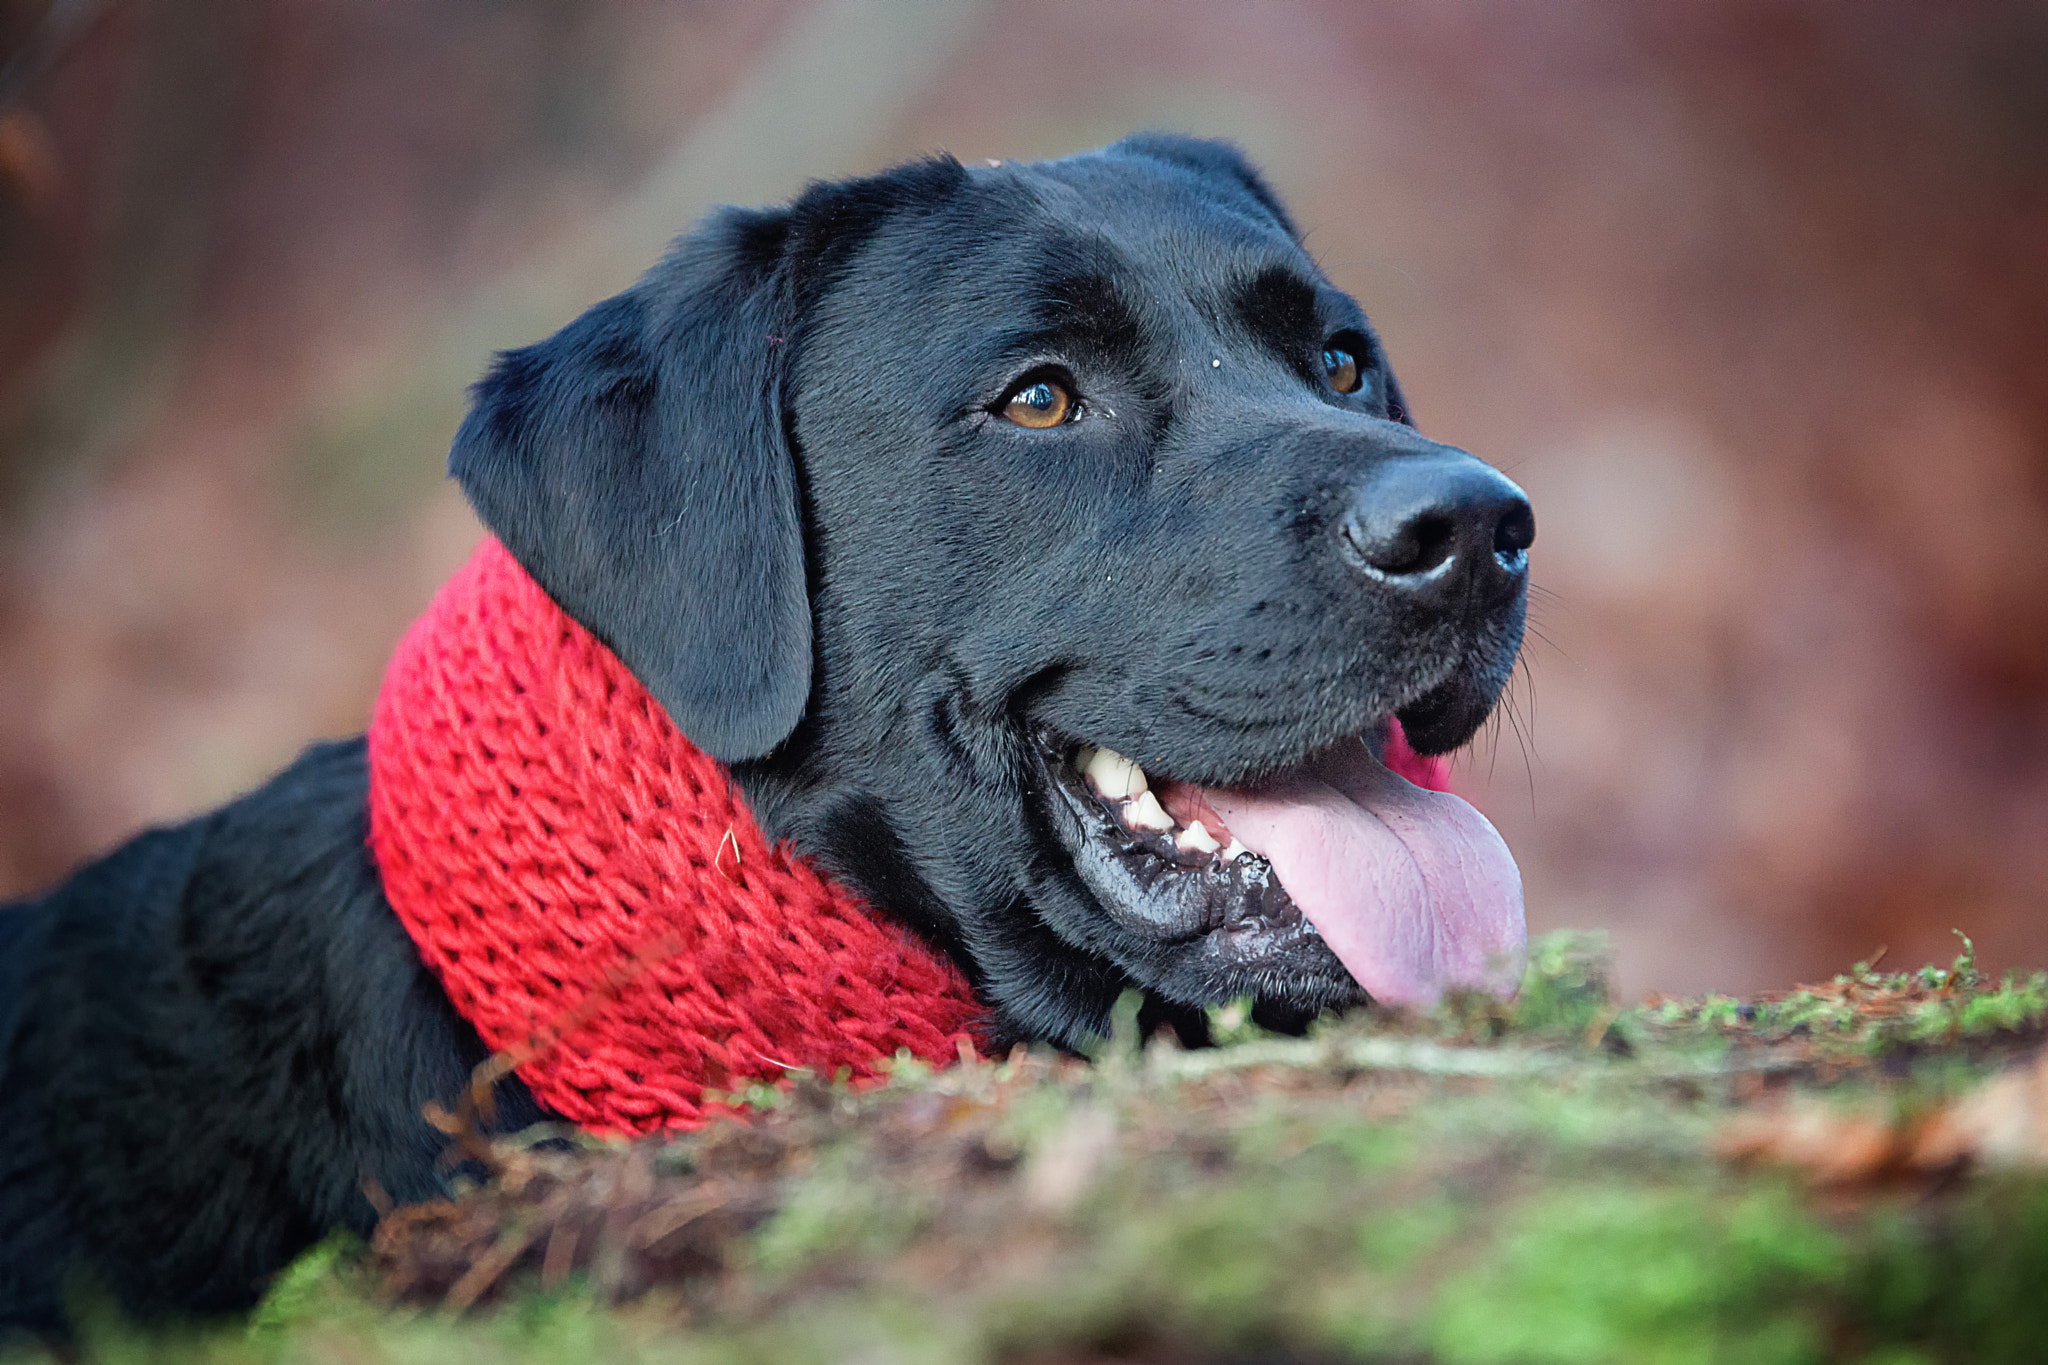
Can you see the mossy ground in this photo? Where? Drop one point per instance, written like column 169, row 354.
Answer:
column 1856, row 1171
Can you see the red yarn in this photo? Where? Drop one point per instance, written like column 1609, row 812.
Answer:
column 596, row 898
column 591, row 890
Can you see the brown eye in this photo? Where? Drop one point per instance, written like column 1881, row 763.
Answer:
column 1340, row 367
column 1039, row 405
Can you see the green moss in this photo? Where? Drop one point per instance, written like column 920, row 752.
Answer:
column 838, row 1210
column 1236, row 1263
column 310, row 1286
column 1372, row 1148
column 1645, row 1277
column 1302, row 1200
column 1568, row 986
column 2017, row 1003
column 1231, row 1023
column 1863, row 1012
column 1403, row 1236
column 1965, row 1282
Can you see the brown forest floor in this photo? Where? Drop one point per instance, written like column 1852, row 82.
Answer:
column 1853, row 1171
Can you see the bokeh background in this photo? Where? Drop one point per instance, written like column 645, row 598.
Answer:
column 1752, row 296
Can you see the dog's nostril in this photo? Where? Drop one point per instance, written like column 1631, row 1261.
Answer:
column 1417, row 545
column 1514, row 535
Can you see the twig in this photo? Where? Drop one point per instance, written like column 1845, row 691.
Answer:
column 1422, row 1056
column 485, row 1270
column 1362, row 1054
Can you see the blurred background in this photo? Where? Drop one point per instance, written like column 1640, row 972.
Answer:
column 1751, row 295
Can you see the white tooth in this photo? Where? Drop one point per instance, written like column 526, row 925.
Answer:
column 1115, row 776
column 1196, row 836
column 1147, row 813
column 1233, row 850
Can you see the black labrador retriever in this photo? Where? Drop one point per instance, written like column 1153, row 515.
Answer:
column 1059, row 549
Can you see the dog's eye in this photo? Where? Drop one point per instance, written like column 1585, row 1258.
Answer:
column 1340, row 367
column 1040, row 404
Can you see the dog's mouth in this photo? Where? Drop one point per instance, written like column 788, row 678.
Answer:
column 1412, row 890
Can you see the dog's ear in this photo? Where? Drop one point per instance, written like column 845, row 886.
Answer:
column 637, row 463
column 1216, row 159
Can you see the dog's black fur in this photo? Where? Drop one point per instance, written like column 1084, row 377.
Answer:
column 775, row 478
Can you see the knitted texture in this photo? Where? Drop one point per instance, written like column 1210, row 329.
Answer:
column 596, row 898
column 594, row 895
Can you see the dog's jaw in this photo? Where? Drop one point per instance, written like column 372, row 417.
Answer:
column 1381, row 888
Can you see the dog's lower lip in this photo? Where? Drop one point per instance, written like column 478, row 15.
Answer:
column 1178, row 891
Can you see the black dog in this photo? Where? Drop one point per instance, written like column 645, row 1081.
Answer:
column 987, row 478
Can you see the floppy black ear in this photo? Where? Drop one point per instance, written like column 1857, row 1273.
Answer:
column 636, row 463
column 1212, row 157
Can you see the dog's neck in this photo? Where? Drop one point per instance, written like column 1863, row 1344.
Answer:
column 594, row 895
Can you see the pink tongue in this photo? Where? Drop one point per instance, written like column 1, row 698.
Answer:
column 1412, row 889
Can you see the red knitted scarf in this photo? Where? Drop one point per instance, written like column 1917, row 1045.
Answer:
column 593, row 893
column 596, row 898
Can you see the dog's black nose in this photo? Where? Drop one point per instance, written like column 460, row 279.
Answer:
column 1436, row 525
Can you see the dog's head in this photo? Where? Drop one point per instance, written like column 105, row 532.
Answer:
column 1048, row 549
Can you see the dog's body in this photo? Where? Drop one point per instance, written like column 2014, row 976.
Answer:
column 909, row 614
